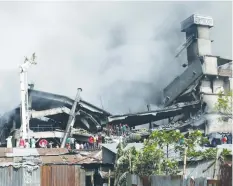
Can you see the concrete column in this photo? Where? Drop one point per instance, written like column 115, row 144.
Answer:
column 198, row 27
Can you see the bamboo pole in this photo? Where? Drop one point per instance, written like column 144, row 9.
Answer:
column 184, row 168
column 109, row 177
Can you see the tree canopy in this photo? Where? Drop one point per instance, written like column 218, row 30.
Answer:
column 156, row 158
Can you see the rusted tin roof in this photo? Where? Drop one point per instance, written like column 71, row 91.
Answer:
column 3, row 151
column 49, row 156
column 53, row 151
column 93, row 157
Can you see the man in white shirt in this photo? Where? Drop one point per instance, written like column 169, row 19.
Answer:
column 27, row 144
column 77, row 146
column 9, row 142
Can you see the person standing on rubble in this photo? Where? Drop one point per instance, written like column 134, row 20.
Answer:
column 72, row 140
column 91, row 141
column 9, row 142
column 120, row 129
column 21, row 142
column 77, row 146
column 224, row 139
column 229, row 139
column 27, row 145
column 94, row 140
column 117, row 131
column 33, row 142
column 99, row 141
column 68, row 143
column 127, row 129
column 123, row 129
column 81, row 146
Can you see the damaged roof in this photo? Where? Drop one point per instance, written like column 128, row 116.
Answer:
column 13, row 156
column 90, row 118
column 44, row 100
column 135, row 119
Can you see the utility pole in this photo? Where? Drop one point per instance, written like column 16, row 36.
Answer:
column 25, row 117
column 184, row 168
column 71, row 120
column 109, row 177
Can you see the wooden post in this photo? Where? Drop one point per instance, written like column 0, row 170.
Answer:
column 218, row 153
column 167, row 159
column 92, row 178
column 109, row 177
column 184, row 168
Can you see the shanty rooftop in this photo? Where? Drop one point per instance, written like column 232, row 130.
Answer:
column 17, row 156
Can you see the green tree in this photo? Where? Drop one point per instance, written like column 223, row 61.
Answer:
column 155, row 157
column 125, row 162
column 224, row 104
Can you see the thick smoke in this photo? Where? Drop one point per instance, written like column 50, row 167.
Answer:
column 120, row 53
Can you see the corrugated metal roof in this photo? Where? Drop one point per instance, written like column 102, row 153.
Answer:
column 23, row 152
column 48, row 156
column 201, row 169
column 3, row 151
column 6, row 160
column 111, row 146
column 52, row 151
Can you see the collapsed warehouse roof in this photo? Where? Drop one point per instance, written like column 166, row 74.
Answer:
column 51, row 111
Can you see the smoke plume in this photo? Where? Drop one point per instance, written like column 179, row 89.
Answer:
column 120, row 53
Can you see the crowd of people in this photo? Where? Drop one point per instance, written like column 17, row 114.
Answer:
column 224, row 139
column 118, row 130
column 94, row 142
column 30, row 143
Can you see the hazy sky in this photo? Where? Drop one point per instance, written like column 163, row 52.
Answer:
column 122, row 52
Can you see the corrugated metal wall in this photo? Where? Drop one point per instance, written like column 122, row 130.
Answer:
column 226, row 175
column 10, row 176
column 159, row 180
column 51, row 175
column 62, row 175
column 166, row 180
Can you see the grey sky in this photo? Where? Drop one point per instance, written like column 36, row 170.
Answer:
column 121, row 51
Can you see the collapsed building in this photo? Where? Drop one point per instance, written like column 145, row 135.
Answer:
column 49, row 116
column 188, row 101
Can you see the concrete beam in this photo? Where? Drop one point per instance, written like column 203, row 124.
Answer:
column 182, row 82
column 49, row 112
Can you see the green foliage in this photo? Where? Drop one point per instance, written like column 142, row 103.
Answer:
column 125, row 162
column 226, row 155
column 153, row 158
column 226, row 152
column 224, row 104
column 149, row 161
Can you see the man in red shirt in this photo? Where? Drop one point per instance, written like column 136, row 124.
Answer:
column 21, row 142
column 91, row 142
column 224, row 140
